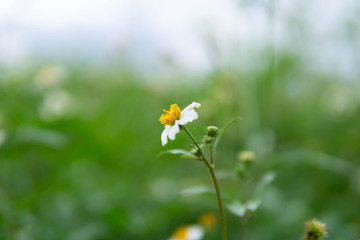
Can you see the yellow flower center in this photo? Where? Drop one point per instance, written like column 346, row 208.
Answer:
column 171, row 116
column 180, row 233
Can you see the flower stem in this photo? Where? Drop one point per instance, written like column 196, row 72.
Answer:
column 199, row 149
column 222, row 216
column 218, row 195
column 211, row 156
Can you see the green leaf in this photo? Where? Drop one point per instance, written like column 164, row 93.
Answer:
column 41, row 136
column 253, row 205
column 191, row 157
column 223, row 130
column 197, row 191
column 264, row 182
column 268, row 178
column 183, row 153
column 240, row 209
column 237, row 208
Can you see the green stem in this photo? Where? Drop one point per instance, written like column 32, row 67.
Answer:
column 243, row 227
column 218, row 195
column 222, row 215
column 211, row 156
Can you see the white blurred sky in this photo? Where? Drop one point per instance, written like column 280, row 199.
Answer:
column 145, row 32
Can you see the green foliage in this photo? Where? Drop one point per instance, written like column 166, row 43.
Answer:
column 78, row 159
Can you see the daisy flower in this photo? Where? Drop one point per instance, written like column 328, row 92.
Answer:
column 175, row 118
column 190, row 232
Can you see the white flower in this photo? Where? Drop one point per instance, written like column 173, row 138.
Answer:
column 175, row 118
column 191, row 232
column 56, row 105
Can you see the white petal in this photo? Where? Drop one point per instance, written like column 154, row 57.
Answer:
column 165, row 134
column 195, row 232
column 174, row 130
column 187, row 117
column 191, row 107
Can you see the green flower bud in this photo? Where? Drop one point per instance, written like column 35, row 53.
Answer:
column 315, row 230
column 246, row 156
column 208, row 139
column 196, row 152
column 212, row 131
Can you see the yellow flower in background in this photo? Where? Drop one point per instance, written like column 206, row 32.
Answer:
column 208, row 220
column 190, row 232
column 175, row 118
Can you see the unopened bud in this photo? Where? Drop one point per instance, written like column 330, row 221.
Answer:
column 246, row 156
column 196, row 152
column 212, row 131
column 208, row 139
column 315, row 230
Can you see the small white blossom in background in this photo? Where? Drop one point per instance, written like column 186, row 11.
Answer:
column 175, row 118
column 50, row 77
column 55, row 105
column 246, row 156
column 190, row 232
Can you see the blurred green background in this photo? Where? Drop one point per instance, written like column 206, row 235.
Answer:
column 78, row 155
column 79, row 145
